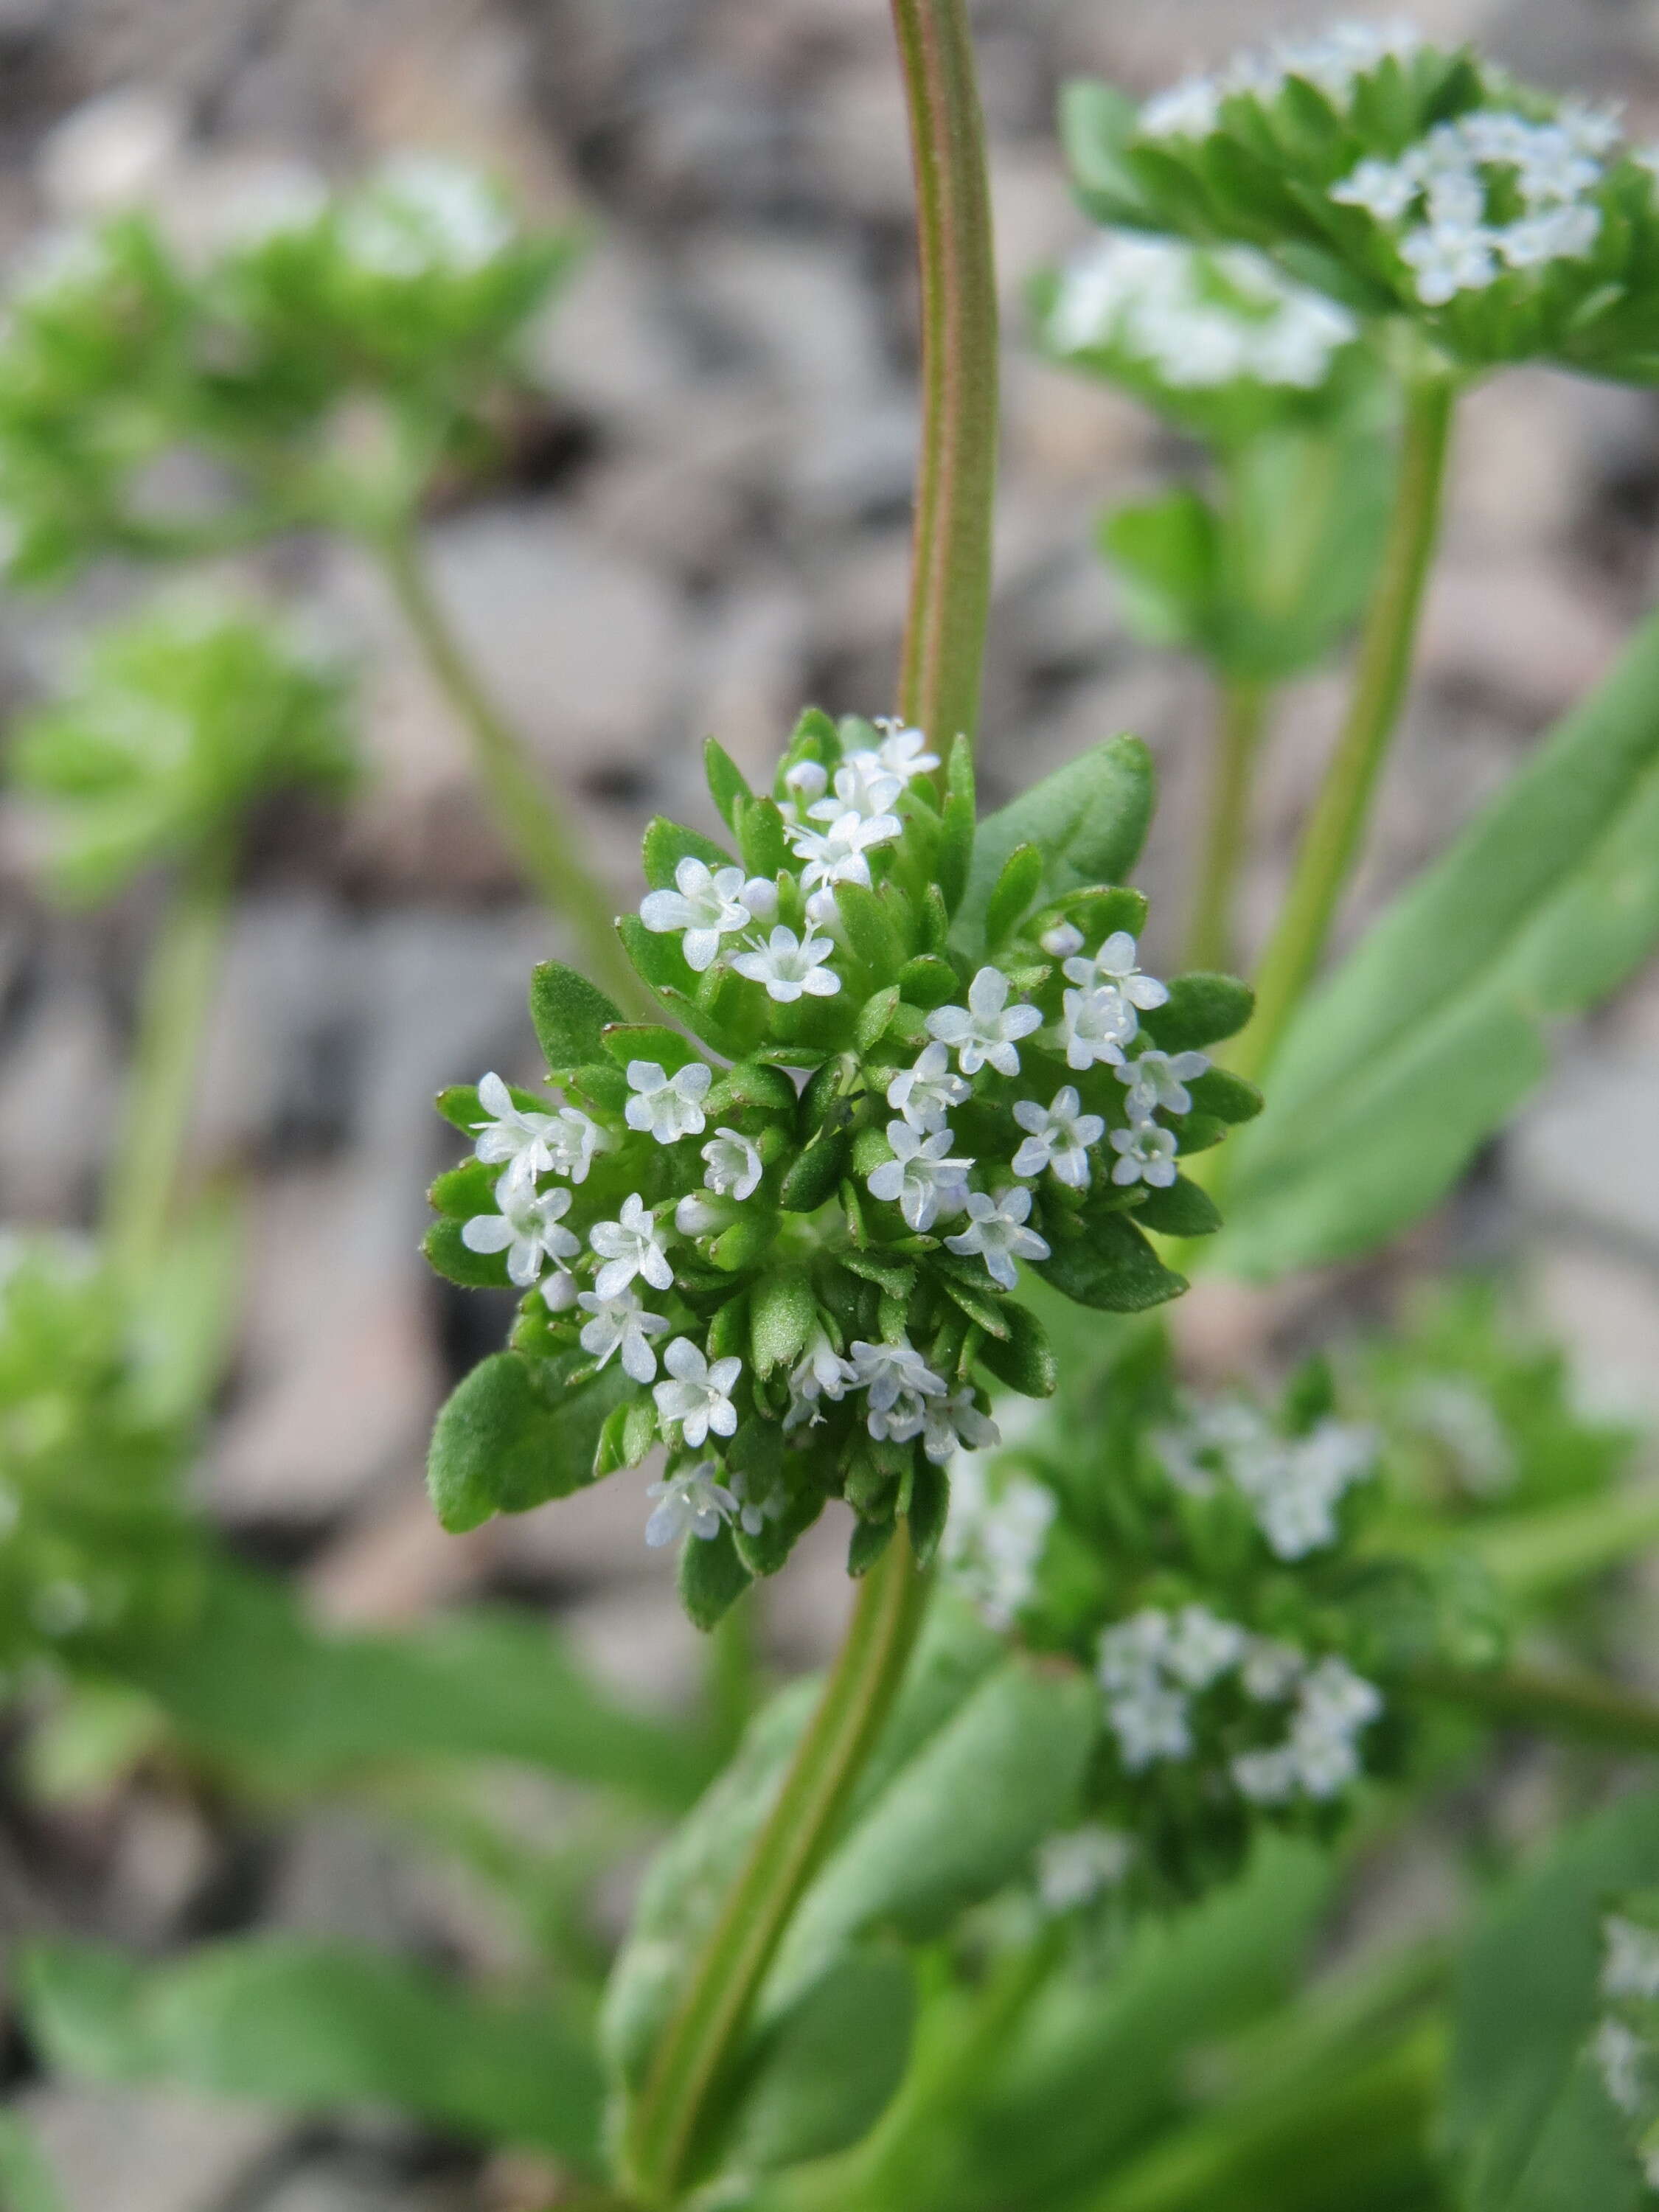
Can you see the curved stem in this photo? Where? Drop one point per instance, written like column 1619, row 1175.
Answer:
column 525, row 812
column 662, row 2135
column 1577, row 1705
column 1242, row 704
column 955, row 475
column 175, row 1001
column 1332, row 836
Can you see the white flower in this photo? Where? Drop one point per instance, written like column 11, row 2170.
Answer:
column 807, row 779
column 514, row 1137
column 926, row 1093
column 1560, row 234
column 706, row 904
column 1074, row 1868
column 691, row 1501
column 957, row 1420
column 754, row 1513
column 630, row 1246
column 1160, row 1078
column 900, row 1422
column 1333, row 1705
column 820, row 1372
column 919, row 1177
column 1062, row 941
column 1629, row 1959
column 864, row 785
column 1295, row 1484
column 1058, row 1137
column 996, row 1231
column 619, row 1325
column 1096, row 1025
column 701, row 1214
column 1146, row 1154
column 1622, row 2059
column 669, row 1106
column 840, row 855
column 994, row 1539
column 1446, row 259
column 886, row 1370
column 1270, row 1670
column 904, row 750
column 1132, row 1652
column 1149, row 1723
column 789, row 966
column 526, row 1228
column 1386, row 189
column 733, row 1165
column 1267, row 1778
column 1114, row 965
column 1202, row 1646
column 699, row 1396
column 985, row 1032
column 559, row 1291
column 421, row 213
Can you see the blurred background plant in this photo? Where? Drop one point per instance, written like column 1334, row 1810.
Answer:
column 382, row 1867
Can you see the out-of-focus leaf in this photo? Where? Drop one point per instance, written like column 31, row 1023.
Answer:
column 314, row 2027
column 26, row 2182
column 1433, row 1031
column 820, row 2076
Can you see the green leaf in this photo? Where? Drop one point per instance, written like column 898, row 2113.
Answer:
column 1105, row 1263
column 728, row 786
column 954, row 858
column 761, row 837
column 712, row 1576
column 928, row 981
column 1182, row 1210
column 1534, row 2134
column 27, row 2181
column 1434, row 1030
column 464, row 1191
column 1016, row 891
column 512, row 1434
column 875, row 1017
column 1201, row 1010
column 1088, row 820
column 929, row 1507
column 869, row 929
column 1166, row 554
column 866, row 1544
column 1096, row 121
column 813, row 1177
column 650, row 1041
column 667, row 843
column 571, row 1016
column 1026, row 1362
column 782, row 1316
column 457, row 1262
column 316, row 2028
column 820, row 2076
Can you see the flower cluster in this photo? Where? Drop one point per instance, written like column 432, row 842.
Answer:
column 1625, row 2043
column 1511, row 223
column 1295, row 1484
column 783, row 1237
column 1192, row 319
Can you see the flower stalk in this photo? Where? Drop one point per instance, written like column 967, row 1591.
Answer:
column 1242, row 704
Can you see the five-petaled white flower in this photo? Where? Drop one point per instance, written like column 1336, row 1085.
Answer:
column 984, row 1032
column 957, row 1419
column 926, row 1093
column 669, row 1106
column 698, row 1395
column 1147, row 1155
column 691, row 1502
column 1160, row 1078
column 820, row 1372
column 919, row 1177
column 1115, row 964
column 526, row 1228
column 863, row 786
column 997, row 1233
column 628, row 1247
column 514, row 1137
column 887, row 1370
column 733, row 1166
column 1059, row 1137
column 1096, row 1025
column 789, row 965
column 840, row 855
column 708, row 904
column 903, row 750
column 621, row 1325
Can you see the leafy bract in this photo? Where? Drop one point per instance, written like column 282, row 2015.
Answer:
column 1088, row 820
column 515, row 1433
column 1429, row 1035
column 315, row 2027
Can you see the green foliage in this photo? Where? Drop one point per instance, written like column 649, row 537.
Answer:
column 26, row 2183
column 1434, row 1028
column 1088, row 820
column 315, row 2027
column 178, row 723
column 515, row 1433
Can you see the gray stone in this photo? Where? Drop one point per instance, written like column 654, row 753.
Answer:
column 116, row 2150
column 1585, row 1151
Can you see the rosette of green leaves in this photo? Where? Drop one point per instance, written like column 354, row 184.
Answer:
column 1282, row 150
column 93, row 1547
column 1261, row 568
column 178, row 723
column 811, row 1257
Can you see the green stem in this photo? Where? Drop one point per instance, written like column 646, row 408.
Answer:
column 1243, row 703
column 1334, row 830
column 956, row 475
column 661, row 2142
column 732, row 1678
column 1578, row 1705
column 526, row 814
column 175, row 1001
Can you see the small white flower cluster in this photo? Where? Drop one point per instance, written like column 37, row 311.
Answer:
column 1152, row 1665
column 1294, row 1483
column 1333, row 60
column 833, row 829
column 906, row 1398
column 1198, row 318
column 1439, row 196
column 994, row 1539
column 1077, row 1865
column 422, row 214
column 1625, row 2058
column 1100, row 1015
